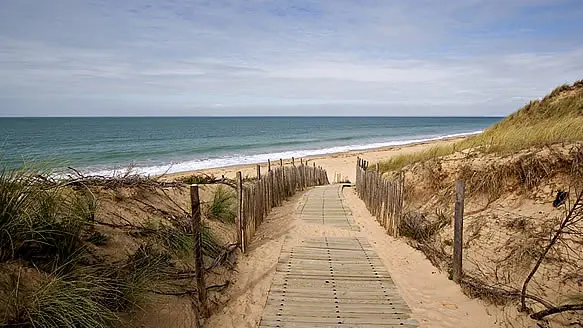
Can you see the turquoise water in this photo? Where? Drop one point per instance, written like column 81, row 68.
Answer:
column 174, row 144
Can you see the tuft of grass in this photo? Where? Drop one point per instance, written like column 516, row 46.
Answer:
column 222, row 207
column 71, row 302
column 143, row 271
column 557, row 118
column 38, row 223
column 177, row 238
column 31, row 298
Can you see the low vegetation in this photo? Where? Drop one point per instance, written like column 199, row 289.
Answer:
column 521, row 239
column 57, row 267
column 557, row 118
column 222, row 207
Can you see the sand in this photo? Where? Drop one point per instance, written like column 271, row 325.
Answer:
column 342, row 163
column 434, row 300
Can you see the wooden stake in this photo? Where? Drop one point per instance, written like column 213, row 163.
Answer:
column 198, row 264
column 458, row 230
column 240, row 230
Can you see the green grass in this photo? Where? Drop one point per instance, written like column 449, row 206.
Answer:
column 178, row 239
column 222, row 207
column 41, row 223
column 557, row 118
column 400, row 161
column 49, row 275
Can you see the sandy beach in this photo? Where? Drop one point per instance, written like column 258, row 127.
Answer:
column 434, row 299
column 336, row 163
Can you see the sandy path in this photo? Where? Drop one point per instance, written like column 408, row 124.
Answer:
column 434, row 300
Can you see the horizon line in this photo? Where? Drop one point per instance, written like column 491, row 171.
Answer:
column 259, row 116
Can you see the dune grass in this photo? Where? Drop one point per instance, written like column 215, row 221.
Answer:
column 38, row 222
column 556, row 118
column 400, row 161
column 49, row 274
column 222, row 207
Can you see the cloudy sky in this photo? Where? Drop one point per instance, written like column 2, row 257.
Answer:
column 288, row 57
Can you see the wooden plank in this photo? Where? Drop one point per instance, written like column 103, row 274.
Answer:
column 342, row 279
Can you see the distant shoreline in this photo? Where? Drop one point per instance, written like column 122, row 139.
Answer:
column 340, row 162
column 153, row 146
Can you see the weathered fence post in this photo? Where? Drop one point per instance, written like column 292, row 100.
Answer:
column 268, row 165
column 240, row 219
column 198, row 264
column 458, row 230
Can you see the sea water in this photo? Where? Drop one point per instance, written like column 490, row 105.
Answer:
column 155, row 145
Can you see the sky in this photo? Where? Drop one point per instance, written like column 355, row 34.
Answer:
column 288, row 57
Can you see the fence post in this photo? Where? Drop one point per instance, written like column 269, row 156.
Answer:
column 198, row 264
column 458, row 230
column 240, row 220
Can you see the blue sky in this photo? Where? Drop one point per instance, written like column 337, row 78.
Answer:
column 260, row 57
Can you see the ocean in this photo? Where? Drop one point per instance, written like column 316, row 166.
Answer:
column 155, row 145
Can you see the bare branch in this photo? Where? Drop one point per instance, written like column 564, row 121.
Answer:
column 554, row 310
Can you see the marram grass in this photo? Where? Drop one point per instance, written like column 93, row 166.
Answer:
column 557, row 118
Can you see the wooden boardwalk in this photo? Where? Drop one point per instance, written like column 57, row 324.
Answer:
column 324, row 205
column 333, row 281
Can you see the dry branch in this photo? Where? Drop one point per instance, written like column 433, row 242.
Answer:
column 554, row 310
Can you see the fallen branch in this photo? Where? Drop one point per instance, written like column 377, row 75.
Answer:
column 573, row 214
column 223, row 257
column 478, row 288
column 558, row 309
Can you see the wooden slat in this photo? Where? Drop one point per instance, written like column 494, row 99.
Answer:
column 341, row 284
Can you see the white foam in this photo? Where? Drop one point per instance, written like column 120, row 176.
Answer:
column 261, row 158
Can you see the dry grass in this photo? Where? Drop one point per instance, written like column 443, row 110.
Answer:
column 557, row 118
column 420, row 228
column 57, row 268
column 400, row 161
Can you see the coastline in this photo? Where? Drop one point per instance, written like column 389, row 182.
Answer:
column 334, row 163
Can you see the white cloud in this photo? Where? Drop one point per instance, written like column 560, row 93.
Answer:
column 189, row 57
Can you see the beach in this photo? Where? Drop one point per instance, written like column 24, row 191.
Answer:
column 342, row 163
column 434, row 300
column 162, row 145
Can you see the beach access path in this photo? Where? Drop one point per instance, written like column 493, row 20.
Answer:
column 321, row 260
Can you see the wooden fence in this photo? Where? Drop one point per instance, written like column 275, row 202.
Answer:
column 383, row 197
column 257, row 198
